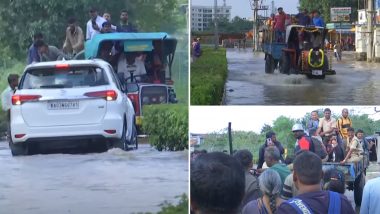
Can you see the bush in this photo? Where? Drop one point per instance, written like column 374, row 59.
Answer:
column 167, row 126
column 208, row 76
column 182, row 207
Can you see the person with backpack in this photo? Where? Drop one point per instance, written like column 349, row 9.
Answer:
column 307, row 176
column 343, row 123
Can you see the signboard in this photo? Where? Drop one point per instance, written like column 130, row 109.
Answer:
column 362, row 17
column 340, row 14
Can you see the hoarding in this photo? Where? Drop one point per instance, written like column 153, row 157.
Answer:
column 340, row 14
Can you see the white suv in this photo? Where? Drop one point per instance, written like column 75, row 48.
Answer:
column 71, row 101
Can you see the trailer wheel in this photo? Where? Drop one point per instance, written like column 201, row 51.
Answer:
column 269, row 64
column 358, row 189
column 285, row 64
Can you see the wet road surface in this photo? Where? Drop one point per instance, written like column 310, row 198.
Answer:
column 111, row 182
column 356, row 83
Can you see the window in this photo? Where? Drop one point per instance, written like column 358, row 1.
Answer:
column 76, row 77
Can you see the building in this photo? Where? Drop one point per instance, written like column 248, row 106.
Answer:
column 202, row 16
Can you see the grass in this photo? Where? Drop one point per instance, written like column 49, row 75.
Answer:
column 208, row 76
column 181, row 208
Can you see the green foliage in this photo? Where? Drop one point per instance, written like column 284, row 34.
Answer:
column 368, row 125
column 266, row 128
column 236, row 25
column 21, row 19
column 241, row 140
column 167, row 126
column 181, row 208
column 282, row 126
column 208, row 76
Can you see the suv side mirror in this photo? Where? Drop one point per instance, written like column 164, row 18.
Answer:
column 172, row 96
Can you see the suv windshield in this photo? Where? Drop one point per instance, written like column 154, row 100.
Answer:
column 72, row 77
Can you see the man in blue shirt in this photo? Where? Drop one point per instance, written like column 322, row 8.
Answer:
column 317, row 20
column 371, row 197
column 303, row 17
column 33, row 55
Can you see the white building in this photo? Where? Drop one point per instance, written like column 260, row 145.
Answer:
column 202, row 16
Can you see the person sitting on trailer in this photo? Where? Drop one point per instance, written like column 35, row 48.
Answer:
column 354, row 149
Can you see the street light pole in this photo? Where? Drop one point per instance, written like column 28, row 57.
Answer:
column 216, row 39
column 370, row 31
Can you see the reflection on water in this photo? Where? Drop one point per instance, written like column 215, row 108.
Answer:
column 247, row 83
column 112, row 182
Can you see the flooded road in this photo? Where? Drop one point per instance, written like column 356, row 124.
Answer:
column 247, row 84
column 111, row 182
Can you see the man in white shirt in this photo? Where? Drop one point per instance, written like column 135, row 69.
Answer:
column 131, row 62
column 327, row 125
column 6, row 97
column 94, row 25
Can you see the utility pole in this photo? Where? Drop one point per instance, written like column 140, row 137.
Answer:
column 216, row 39
column 370, row 13
column 255, row 36
column 230, row 138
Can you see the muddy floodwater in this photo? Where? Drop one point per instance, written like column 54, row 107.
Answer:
column 356, row 83
column 111, row 182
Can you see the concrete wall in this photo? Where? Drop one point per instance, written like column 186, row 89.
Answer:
column 361, row 42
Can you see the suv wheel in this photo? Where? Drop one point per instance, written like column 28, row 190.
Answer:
column 18, row 149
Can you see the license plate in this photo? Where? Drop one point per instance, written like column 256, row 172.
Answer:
column 62, row 105
column 316, row 72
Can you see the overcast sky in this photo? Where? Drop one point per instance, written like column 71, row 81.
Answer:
column 206, row 119
column 242, row 8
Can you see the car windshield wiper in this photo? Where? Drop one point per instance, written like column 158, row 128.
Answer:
column 53, row 86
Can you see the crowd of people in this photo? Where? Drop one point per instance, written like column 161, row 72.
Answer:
column 140, row 63
column 278, row 22
column 40, row 51
column 228, row 184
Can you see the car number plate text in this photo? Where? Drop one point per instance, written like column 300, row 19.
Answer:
column 62, row 105
column 316, row 72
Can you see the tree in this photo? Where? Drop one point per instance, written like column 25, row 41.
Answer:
column 282, row 126
column 21, row 19
column 236, row 25
column 266, row 128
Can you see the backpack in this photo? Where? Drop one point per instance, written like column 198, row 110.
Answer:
column 301, row 208
column 319, row 148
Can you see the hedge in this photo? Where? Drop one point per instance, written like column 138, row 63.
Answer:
column 167, row 126
column 208, row 77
